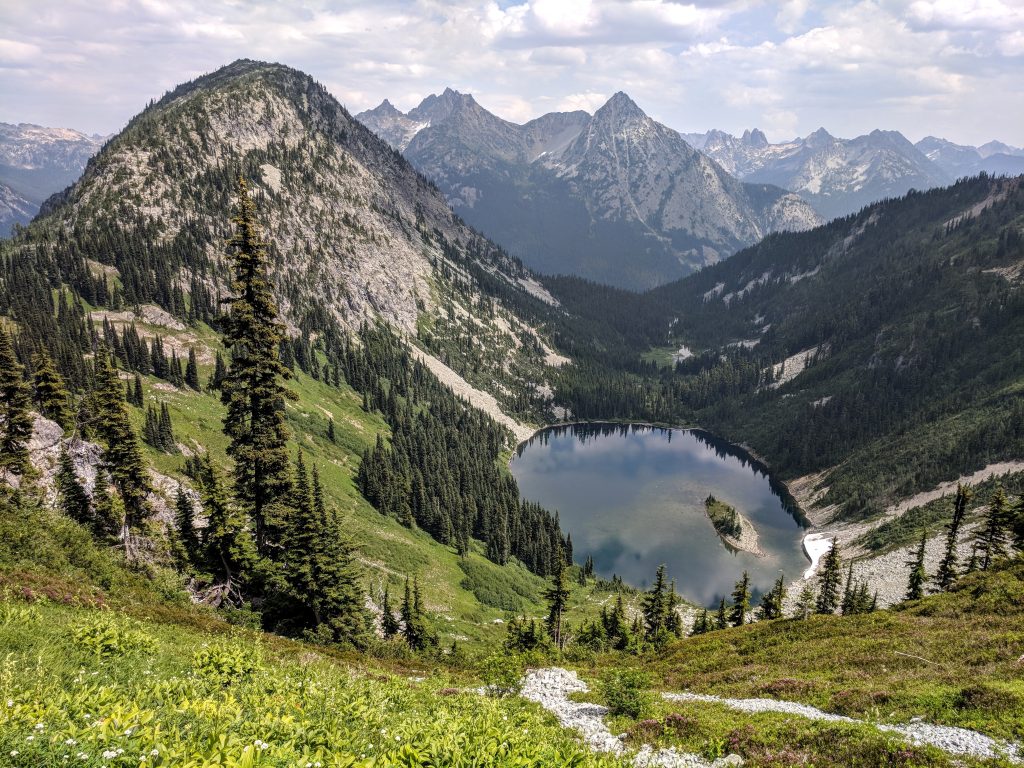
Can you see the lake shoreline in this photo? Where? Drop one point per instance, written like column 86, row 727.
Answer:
column 609, row 522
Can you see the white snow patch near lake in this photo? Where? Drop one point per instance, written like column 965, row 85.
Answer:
column 816, row 545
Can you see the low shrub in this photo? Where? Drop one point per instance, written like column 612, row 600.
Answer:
column 502, row 674
column 225, row 662
column 107, row 636
column 625, row 692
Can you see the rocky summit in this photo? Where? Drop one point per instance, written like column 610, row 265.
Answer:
column 615, row 196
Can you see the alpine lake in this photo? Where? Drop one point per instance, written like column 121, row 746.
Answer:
column 632, row 497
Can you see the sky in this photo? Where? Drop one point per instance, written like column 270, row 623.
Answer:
column 950, row 68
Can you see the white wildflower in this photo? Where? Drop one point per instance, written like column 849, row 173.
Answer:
column 109, row 754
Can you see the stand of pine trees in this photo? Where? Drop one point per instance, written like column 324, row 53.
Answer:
column 440, row 471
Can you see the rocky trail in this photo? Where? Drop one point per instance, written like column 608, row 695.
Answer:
column 551, row 687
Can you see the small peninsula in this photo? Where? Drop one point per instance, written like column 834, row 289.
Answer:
column 733, row 528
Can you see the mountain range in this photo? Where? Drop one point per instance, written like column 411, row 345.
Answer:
column 615, row 197
column 36, row 162
column 870, row 362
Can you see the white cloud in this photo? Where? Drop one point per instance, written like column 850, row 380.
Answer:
column 788, row 67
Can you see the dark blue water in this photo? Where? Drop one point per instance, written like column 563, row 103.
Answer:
column 633, row 497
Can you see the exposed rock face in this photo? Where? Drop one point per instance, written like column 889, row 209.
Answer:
column 87, row 457
column 615, row 196
column 356, row 233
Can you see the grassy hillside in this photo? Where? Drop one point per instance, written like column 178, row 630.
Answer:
column 952, row 659
column 100, row 688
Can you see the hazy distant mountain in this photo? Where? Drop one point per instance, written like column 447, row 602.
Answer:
column 615, row 197
column 35, row 162
column 958, row 160
column 836, row 176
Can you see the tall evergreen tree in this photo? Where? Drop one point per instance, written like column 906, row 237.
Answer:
column 828, row 581
column 185, row 517
column 192, row 371
column 740, row 601
column 655, row 608
column 388, row 623
column 337, row 598
column 166, row 431
column 557, row 596
column 107, row 509
column 137, row 399
column 220, row 370
column 253, row 388
column 773, row 599
column 71, row 496
column 15, row 419
column 992, row 536
column 121, row 456
column 51, row 394
column 947, row 573
column 721, row 616
column 702, row 625
column 917, row 578
column 230, row 551
column 414, row 628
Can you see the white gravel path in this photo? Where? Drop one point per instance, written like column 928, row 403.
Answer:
column 955, row 741
column 550, row 688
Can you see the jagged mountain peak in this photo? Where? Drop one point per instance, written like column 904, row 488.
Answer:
column 436, row 108
column 819, row 137
column 620, row 107
column 754, row 138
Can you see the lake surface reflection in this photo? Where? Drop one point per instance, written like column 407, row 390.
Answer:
column 632, row 497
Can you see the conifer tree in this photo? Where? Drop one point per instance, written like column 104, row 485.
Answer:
column 192, row 371
column 655, row 608
column 947, row 573
column 388, row 623
column 230, row 551
column 219, row 372
column 849, row 604
column 253, row 388
column 1018, row 525
column 721, row 617
column 15, row 419
column 137, row 399
column 972, row 561
column 992, row 537
column 330, row 430
column 805, row 602
column 917, row 578
column 828, row 581
column 51, row 394
column 617, row 628
column 122, row 456
column 185, row 517
column 701, row 625
column 107, row 510
column 740, row 601
column 773, row 599
column 557, row 596
column 673, row 621
column 337, row 599
column 166, row 431
column 71, row 496
column 414, row 628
